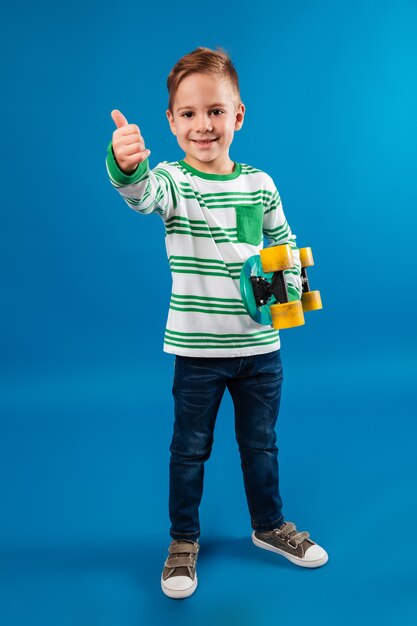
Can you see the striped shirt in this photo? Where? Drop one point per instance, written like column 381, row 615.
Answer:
column 213, row 224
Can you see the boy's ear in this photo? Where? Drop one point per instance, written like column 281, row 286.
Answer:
column 240, row 115
column 171, row 121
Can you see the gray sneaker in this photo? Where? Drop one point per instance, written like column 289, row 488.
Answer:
column 179, row 576
column 295, row 546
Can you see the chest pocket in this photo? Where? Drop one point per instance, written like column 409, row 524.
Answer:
column 249, row 223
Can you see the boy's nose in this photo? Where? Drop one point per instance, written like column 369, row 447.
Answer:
column 203, row 122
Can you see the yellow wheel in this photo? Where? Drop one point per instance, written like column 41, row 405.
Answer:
column 287, row 314
column 276, row 258
column 306, row 257
column 311, row 301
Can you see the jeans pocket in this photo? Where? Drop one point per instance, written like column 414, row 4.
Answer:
column 249, row 223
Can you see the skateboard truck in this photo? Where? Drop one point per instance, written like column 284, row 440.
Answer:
column 264, row 289
column 304, row 280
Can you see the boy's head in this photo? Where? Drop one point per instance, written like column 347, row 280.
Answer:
column 204, row 104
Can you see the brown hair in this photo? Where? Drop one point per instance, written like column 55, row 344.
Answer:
column 215, row 63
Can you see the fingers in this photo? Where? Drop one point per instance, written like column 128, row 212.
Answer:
column 134, row 148
column 123, row 127
column 131, row 161
column 133, row 138
column 118, row 118
column 125, row 133
column 129, row 156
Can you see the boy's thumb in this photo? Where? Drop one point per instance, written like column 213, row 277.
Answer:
column 118, row 118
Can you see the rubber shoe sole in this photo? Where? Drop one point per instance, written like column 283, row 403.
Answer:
column 321, row 555
column 178, row 588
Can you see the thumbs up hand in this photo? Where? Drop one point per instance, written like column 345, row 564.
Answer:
column 128, row 144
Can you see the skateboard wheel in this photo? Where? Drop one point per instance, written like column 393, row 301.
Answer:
column 311, row 301
column 276, row 258
column 287, row 314
column 306, row 257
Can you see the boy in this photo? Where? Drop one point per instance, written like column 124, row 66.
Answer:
column 216, row 212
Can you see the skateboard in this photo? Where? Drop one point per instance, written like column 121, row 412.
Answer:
column 264, row 290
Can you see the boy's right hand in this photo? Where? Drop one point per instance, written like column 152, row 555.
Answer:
column 128, row 144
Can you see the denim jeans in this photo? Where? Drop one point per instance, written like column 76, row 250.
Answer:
column 254, row 383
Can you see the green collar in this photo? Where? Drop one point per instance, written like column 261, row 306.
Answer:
column 236, row 172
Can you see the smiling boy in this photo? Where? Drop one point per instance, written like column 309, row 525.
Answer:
column 216, row 212
column 207, row 112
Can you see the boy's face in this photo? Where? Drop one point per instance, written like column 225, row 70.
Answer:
column 204, row 108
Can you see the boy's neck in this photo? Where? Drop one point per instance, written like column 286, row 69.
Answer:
column 226, row 166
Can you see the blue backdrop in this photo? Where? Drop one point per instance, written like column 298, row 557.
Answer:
column 85, row 395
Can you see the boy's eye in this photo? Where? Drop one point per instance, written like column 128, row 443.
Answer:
column 188, row 114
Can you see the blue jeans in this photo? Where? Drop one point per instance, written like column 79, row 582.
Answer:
column 254, row 382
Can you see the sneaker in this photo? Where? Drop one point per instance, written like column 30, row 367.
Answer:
column 179, row 576
column 295, row 546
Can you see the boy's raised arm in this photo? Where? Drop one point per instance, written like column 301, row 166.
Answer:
column 278, row 232
column 144, row 190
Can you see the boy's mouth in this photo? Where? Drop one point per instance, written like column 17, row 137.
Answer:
column 203, row 142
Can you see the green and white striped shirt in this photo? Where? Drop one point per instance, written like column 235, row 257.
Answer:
column 213, row 224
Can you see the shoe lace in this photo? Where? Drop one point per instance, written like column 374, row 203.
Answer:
column 288, row 531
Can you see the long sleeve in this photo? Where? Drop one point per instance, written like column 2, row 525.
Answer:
column 278, row 232
column 145, row 191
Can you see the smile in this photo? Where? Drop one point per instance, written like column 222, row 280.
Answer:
column 203, row 141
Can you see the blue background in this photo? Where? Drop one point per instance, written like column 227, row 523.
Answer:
column 86, row 408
